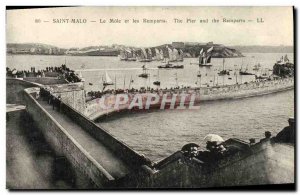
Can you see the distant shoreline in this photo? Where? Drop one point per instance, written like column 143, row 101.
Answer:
column 189, row 50
column 10, row 54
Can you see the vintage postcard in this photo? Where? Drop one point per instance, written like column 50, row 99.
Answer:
column 150, row 98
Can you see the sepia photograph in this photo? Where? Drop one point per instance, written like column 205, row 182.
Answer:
column 150, row 98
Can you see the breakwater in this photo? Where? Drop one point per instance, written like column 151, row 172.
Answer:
column 95, row 110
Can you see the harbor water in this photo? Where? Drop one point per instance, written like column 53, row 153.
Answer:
column 157, row 134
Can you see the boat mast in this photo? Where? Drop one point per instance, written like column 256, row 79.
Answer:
column 149, row 81
column 235, row 69
column 176, row 79
column 115, row 82
column 241, row 79
column 130, row 81
column 200, row 81
column 124, row 82
column 103, row 85
column 242, row 64
column 223, row 79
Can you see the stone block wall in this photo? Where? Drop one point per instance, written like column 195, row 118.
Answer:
column 64, row 144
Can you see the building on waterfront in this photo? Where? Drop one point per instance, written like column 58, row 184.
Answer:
column 210, row 43
column 179, row 45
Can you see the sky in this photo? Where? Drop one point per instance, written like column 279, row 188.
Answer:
column 277, row 28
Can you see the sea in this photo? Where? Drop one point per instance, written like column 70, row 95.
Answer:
column 159, row 133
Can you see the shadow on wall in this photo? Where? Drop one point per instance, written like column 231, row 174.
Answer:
column 30, row 162
column 15, row 90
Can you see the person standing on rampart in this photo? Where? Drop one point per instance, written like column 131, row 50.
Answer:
column 58, row 103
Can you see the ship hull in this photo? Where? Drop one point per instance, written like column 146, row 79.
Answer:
column 145, row 60
column 246, row 73
column 175, row 60
column 171, row 67
column 106, row 84
column 205, row 65
column 131, row 59
column 144, row 75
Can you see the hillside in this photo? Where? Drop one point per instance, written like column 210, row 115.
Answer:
column 190, row 50
column 219, row 51
column 28, row 45
column 264, row 49
column 34, row 49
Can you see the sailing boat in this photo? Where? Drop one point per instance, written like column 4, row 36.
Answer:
column 199, row 73
column 81, row 77
column 180, row 58
column 157, row 82
column 262, row 75
column 123, row 55
column 145, row 56
column 173, row 56
column 283, row 60
column 150, row 54
column 223, row 72
column 158, row 55
column 127, row 55
column 205, row 57
column 257, row 67
column 286, row 59
column 107, row 80
column 144, row 74
column 161, row 53
column 245, row 72
column 131, row 55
